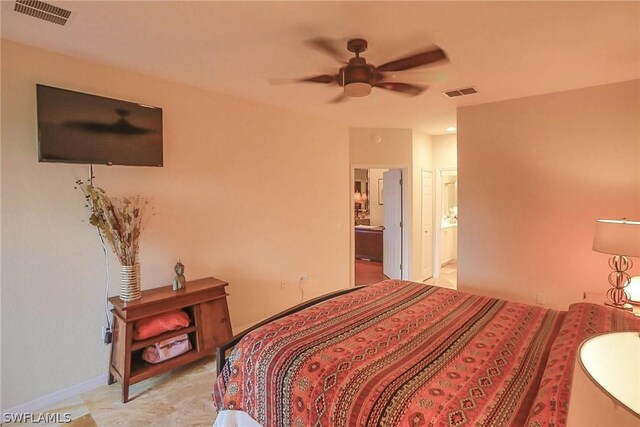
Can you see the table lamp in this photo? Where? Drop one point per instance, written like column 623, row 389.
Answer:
column 633, row 290
column 620, row 238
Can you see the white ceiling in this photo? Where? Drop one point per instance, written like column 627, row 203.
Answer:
column 505, row 49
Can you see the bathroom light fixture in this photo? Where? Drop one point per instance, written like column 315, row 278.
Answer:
column 620, row 238
column 451, row 129
column 360, row 200
column 359, row 197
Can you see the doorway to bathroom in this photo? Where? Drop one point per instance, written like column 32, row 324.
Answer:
column 446, row 234
column 378, row 202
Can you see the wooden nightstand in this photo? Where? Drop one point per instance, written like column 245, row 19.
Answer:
column 597, row 298
column 205, row 302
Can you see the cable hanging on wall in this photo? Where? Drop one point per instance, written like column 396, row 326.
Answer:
column 107, row 330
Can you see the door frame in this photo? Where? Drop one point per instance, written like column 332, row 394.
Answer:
column 433, row 220
column 438, row 214
column 406, row 246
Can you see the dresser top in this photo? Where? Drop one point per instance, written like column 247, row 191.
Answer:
column 152, row 296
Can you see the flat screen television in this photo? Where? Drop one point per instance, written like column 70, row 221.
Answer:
column 75, row 127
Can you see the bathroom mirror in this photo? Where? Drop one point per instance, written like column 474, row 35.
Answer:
column 361, row 190
column 449, row 181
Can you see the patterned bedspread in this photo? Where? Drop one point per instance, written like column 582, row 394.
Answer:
column 400, row 353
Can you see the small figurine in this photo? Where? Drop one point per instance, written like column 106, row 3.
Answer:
column 179, row 281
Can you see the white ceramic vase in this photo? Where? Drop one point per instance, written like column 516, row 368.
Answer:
column 130, row 282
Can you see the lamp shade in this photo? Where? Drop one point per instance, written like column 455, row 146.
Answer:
column 617, row 237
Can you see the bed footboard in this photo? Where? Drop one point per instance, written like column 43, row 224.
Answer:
column 223, row 350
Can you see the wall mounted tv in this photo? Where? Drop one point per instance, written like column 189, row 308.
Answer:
column 76, row 127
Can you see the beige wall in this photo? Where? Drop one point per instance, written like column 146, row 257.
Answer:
column 380, row 147
column 534, row 175
column 227, row 203
column 445, row 151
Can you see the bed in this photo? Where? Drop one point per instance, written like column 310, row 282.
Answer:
column 400, row 353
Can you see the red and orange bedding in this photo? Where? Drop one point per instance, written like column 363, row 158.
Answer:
column 400, row 353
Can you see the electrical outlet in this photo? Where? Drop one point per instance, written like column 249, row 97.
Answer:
column 106, row 335
column 283, row 284
column 540, row 299
column 304, row 277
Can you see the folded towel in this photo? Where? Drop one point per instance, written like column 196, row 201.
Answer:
column 167, row 349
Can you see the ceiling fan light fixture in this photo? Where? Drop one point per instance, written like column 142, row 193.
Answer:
column 357, row 89
column 356, row 78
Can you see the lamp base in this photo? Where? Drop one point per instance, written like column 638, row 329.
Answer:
column 625, row 306
column 619, row 279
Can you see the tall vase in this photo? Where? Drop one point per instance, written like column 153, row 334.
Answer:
column 130, row 282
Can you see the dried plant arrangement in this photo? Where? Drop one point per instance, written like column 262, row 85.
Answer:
column 119, row 220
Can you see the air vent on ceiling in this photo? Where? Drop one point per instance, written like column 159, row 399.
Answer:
column 460, row 92
column 42, row 10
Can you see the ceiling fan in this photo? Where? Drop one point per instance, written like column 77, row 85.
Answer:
column 358, row 77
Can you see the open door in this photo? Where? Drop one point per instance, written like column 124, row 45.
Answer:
column 392, row 234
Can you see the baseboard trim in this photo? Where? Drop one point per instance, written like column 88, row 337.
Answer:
column 57, row 396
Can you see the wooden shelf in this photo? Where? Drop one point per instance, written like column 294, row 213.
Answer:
column 205, row 302
column 137, row 345
column 142, row 370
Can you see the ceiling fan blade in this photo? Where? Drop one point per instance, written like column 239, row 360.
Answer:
column 426, row 76
column 405, row 88
column 338, row 99
column 418, row 60
column 327, row 46
column 281, row 81
column 322, row 78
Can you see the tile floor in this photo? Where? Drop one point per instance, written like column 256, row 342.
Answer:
column 371, row 272
column 448, row 276
column 179, row 398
